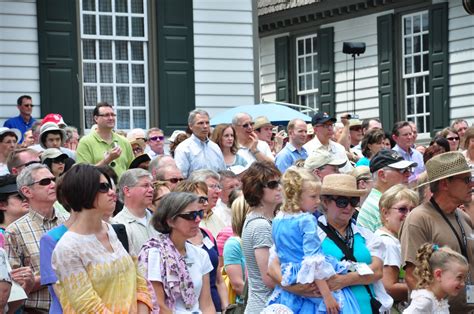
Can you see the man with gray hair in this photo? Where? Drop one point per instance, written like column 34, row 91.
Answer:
column 136, row 192
column 198, row 152
column 214, row 190
column 36, row 184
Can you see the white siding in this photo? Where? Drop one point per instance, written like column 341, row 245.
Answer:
column 19, row 68
column 461, row 62
column 223, row 54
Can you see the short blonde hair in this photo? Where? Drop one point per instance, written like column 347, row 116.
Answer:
column 294, row 181
column 396, row 194
column 239, row 210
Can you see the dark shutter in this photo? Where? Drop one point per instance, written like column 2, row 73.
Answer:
column 385, row 52
column 58, row 59
column 282, row 67
column 326, row 97
column 175, row 63
column 438, row 65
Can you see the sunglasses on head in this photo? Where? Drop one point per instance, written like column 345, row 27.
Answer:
column 191, row 216
column 104, row 187
column 44, row 181
column 272, row 184
column 344, row 201
column 174, row 180
column 203, row 199
column 156, row 138
column 403, row 210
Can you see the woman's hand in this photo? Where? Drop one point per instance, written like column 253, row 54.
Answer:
column 309, row 290
column 336, row 282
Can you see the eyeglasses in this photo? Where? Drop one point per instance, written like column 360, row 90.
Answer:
column 466, row 180
column 455, row 138
column 104, row 187
column 272, row 184
column 156, row 138
column 174, row 180
column 215, row 186
column 344, row 201
column 191, row 216
column 203, row 199
column 247, row 125
column 108, row 115
column 402, row 171
column 44, row 181
column 28, row 105
column 144, row 186
column 403, row 210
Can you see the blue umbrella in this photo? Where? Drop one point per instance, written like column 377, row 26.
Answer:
column 277, row 114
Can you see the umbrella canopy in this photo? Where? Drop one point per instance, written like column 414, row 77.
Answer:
column 277, row 114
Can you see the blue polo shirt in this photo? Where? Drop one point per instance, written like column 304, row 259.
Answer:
column 288, row 155
column 20, row 124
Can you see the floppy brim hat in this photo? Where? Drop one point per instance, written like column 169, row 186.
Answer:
column 52, row 153
column 361, row 172
column 446, row 165
column 342, row 185
column 4, row 130
column 323, row 158
column 138, row 160
column 48, row 127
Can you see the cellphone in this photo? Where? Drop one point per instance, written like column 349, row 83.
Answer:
column 114, row 145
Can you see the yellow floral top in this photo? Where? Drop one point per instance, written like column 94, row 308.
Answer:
column 94, row 280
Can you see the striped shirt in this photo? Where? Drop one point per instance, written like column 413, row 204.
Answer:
column 22, row 245
column 369, row 213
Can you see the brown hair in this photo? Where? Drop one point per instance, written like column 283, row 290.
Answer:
column 254, row 179
column 467, row 136
column 373, row 136
column 295, row 180
column 218, row 134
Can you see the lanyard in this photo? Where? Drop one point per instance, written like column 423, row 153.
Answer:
column 463, row 242
column 348, row 239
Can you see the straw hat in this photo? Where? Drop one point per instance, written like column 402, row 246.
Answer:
column 261, row 122
column 446, row 165
column 361, row 172
column 341, row 184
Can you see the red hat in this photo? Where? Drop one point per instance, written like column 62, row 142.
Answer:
column 55, row 118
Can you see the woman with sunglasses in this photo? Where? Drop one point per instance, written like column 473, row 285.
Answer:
column 224, row 136
column 452, row 136
column 177, row 271
column 395, row 204
column 95, row 273
column 344, row 240
column 55, row 160
column 263, row 193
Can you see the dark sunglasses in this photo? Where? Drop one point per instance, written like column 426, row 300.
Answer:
column 174, row 180
column 402, row 171
column 59, row 160
column 453, row 138
column 247, row 125
column 28, row 163
column 104, row 187
column 44, row 181
column 156, row 138
column 28, row 105
column 203, row 199
column 403, row 210
column 344, row 201
column 191, row 216
column 272, row 184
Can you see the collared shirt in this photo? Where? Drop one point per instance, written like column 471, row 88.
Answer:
column 193, row 154
column 369, row 213
column 288, row 155
column 20, row 124
column 336, row 149
column 224, row 213
column 213, row 223
column 22, row 244
column 415, row 156
column 250, row 158
column 92, row 149
column 138, row 232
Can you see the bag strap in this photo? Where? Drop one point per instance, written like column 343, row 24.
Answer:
column 121, row 232
column 348, row 255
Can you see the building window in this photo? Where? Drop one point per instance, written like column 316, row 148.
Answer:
column 307, row 63
column 415, row 69
column 114, row 42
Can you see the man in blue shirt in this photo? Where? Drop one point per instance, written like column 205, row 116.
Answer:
column 293, row 150
column 24, row 121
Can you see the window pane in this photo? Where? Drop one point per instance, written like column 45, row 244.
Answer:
column 121, row 25
column 309, row 82
column 417, row 60
column 407, row 26
column 88, row 5
column 106, row 73
column 425, row 62
column 409, row 86
column 315, row 62
column 425, row 21
column 427, row 84
column 410, row 107
column 90, row 95
column 88, row 49
column 300, row 65
column 121, row 73
column 120, row 5
column 105, row 6
column 138, row 73
column 419, row 85
column 105, row 25
column 137, row 6
column 105, row 49
column 137, row 50
column 420, row 122
column 107, row 94
column 89, row 24
column 308, row 64
column 90, row 73
column 121, row 50
column 139, row 119
column 89, row 118
column 301, row 83
column 315, row 80
column 308, row 45
column 123, row 119
column 408, row 65
column 408, row 48
column 425, row 42
column 138, row 97
column 300, row 47
column 123, row 96
column 416, row 24
column 419, row 105
column 137, row 27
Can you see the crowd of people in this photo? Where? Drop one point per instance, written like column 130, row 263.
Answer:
column 244, row 217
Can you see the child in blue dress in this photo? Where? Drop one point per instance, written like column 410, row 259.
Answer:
column 298, row 248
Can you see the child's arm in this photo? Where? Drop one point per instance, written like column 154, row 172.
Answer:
column 331, row 304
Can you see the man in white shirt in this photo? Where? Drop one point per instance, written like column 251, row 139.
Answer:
column 323, row 126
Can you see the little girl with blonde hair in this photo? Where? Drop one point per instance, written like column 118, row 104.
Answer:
column 441, row 272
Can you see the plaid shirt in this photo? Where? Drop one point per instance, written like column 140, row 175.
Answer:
column 22, row 245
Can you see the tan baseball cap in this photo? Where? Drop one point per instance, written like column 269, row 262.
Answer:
column 322, row 158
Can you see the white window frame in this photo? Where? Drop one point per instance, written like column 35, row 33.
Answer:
column 313, row 92
column 424, row 130
column 97, row 61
